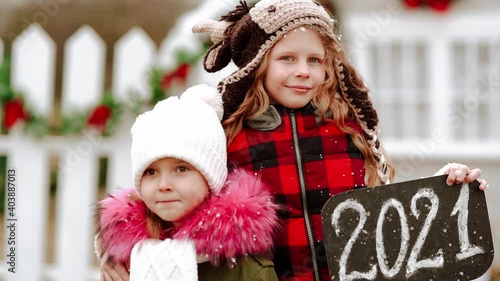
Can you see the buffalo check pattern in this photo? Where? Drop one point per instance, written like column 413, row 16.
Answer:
column 331, row 164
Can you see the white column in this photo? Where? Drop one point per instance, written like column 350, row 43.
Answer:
column 439, row 95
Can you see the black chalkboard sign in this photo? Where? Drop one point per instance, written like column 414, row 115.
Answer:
column 415, row 230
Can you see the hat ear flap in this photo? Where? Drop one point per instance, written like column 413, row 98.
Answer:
column 217, row 57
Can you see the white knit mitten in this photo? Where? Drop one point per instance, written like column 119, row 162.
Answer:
column 168, row 260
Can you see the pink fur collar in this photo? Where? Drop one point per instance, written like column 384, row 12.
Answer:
column 241, row 220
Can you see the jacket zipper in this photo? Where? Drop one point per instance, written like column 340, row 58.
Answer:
column 307, row 220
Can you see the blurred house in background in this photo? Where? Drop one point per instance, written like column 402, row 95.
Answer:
column 434, row 75
column 435, row 80
column 82, row 66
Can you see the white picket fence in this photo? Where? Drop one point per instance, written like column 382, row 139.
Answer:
column 33, row 73
column 33, row 60
column 415, row 71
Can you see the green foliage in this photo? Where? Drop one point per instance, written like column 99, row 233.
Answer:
column 155, row 78
column 3, row 181
column 6, row 92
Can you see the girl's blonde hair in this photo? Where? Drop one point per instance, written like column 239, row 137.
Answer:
column 344, row 94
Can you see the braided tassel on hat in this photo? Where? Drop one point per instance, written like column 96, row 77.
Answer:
column 362, row 108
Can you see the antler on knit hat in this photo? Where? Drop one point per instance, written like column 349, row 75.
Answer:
column 245, row 35
column 187, row 128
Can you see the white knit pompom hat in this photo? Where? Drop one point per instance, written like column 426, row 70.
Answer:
column 187, row 128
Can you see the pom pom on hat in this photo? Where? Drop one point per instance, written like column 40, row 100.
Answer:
column 207, row 94
column 187, row 128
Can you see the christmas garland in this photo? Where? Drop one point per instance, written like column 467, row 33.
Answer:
column 436, row 5
column 103, row 116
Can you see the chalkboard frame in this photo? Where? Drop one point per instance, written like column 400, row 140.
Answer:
column 374, row 233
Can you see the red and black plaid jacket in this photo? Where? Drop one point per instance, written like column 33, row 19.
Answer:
column 303, row 164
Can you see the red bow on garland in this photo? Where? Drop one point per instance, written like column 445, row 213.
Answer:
column 437, row 5
column 99, row 117
column 105, row 115
column 180, row 73
column 13, row 111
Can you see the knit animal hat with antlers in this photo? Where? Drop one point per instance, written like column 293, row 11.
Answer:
column 246, row 34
